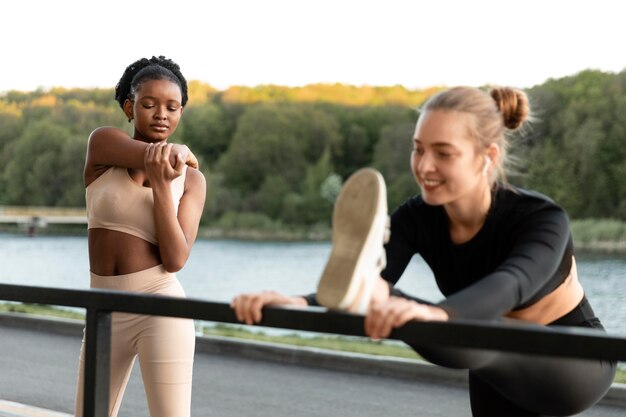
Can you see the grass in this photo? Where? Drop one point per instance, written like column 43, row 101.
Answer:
column 40, row 310
column 608, row 235
column 338, row 343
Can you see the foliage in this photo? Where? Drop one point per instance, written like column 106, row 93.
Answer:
column 280, row 154
column 391, row 158
column 576, row 153
column 42, row 167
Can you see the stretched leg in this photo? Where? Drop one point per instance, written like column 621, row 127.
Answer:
column 553, row 386
column 541, row 385
column 544, row 385
column 360, row 227
column 487, row 402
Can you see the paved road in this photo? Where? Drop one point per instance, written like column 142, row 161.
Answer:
column 39, row 368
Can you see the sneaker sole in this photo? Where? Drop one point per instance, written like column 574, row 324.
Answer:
column 361, row 203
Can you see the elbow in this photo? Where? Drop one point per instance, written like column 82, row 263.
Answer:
column 174, row 265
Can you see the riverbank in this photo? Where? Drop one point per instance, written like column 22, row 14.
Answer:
column 603, row 235
column 316, row 234
column 597, row 235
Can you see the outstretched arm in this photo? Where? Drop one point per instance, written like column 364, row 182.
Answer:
column 248, row 307
column 395, row 312
column 541, row 244
column 110, row 146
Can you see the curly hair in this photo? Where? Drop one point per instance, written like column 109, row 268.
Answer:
column 155, row 68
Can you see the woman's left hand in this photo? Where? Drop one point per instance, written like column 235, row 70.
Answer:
column 383, row 317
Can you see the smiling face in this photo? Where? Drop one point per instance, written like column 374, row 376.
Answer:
column 156, row 108
column 445, row 160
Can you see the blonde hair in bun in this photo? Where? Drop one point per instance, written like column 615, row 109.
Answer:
column 494, row 112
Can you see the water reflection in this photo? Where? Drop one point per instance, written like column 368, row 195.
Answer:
column 218, row 270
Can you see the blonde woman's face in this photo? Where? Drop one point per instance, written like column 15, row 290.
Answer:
column 444, row 160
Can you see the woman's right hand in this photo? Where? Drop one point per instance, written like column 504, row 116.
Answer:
column 248, row 307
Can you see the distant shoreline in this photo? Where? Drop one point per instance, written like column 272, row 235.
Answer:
column 591, row 239
column 601, row 246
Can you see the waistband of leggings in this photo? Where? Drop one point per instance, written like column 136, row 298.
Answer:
column 581, row 315
column 145, row 280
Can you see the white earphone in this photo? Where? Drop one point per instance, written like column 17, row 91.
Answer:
column 487, row 165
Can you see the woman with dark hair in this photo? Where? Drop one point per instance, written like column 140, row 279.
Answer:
column 497, row 252
column 144, row 202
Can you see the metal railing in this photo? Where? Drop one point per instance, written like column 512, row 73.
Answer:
column 564, row 342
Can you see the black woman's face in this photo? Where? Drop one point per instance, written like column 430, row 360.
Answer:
column 157, row 110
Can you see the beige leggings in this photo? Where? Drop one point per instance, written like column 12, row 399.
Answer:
column 165, row 347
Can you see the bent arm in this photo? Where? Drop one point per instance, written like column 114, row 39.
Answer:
column 177, row 233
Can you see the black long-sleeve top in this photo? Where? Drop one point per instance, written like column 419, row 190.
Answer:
column 522, row 252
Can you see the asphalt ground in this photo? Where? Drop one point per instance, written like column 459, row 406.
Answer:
column 237, row 378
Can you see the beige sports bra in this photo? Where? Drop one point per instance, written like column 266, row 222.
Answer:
column 116, row 202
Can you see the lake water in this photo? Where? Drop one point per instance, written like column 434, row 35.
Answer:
column 220, row 269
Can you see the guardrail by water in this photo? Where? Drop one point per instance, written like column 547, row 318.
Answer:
column 31, row 218
column 566, row 341
column 42, row 215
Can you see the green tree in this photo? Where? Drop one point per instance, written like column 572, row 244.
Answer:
column 270, row 196
column 312, row 204
column 11, row 124
column 355, row 151
column 576, row 149
column 49, row 162
column 392, row 159
column 266, row 142
column 276, row 140
column 206, row 130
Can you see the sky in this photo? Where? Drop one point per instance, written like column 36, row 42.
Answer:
column 414, row 43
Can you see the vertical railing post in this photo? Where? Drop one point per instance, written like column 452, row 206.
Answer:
column 97, row 363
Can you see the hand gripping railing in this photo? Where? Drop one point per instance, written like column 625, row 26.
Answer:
column 562, row 341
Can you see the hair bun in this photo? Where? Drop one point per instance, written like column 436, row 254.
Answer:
column 513, row 104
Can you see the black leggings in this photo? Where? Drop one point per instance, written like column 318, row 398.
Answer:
column 512, row 384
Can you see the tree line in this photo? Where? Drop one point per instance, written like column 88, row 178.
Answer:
column 278, row 155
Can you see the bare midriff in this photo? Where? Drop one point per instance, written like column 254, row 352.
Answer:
column 117, row 253
column 555, row 305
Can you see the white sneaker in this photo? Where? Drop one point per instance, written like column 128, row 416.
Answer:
column 360, row 228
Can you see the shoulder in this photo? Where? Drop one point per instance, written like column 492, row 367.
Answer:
column 195, row 181
column 521, row 199
column 105, row 135
column 522, row 207
column 107, row 132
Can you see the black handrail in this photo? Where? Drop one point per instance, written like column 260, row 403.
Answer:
column 505, row 336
